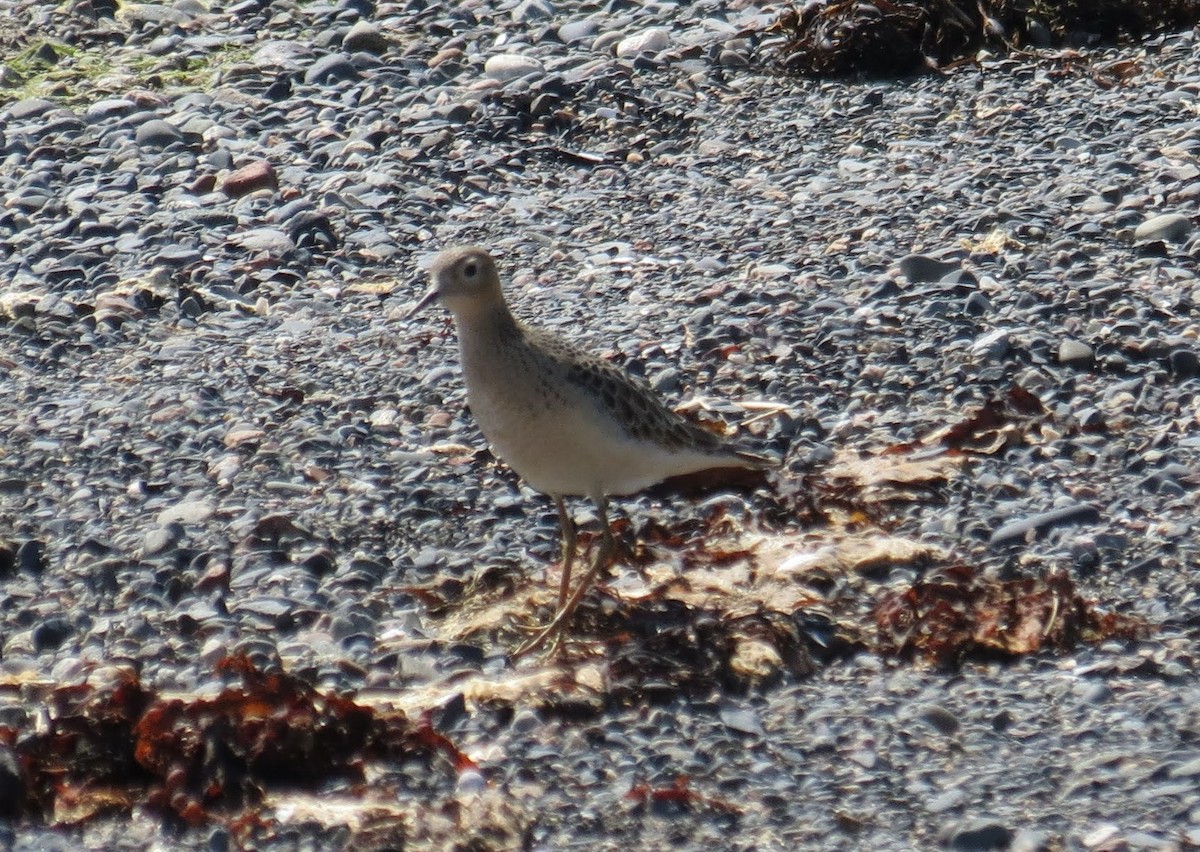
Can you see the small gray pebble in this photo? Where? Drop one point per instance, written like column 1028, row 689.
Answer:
column 1017, row 531
column 978, row 835
column 1075, row 353
column 742, row 720
column 574, row 31
column 923, row 269
column 156, row 133
column 330, row 69
column 940, row 719
column 365, row 36
column 31, row 557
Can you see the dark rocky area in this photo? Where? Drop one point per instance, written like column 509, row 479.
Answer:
column 221, row 439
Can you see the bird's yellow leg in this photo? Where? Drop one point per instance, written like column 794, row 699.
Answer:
column 566, row 527
column 552, row 632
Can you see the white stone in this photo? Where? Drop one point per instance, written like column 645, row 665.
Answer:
column 187, row 512
column 510, row 66
column 653, row 40
column 1171, row 227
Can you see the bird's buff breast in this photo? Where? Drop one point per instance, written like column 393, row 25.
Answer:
column 550, row 431
column 558, row 448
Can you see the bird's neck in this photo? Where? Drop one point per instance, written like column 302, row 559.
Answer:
column 484, row 329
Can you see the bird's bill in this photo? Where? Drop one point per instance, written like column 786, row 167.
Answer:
column 430, row 296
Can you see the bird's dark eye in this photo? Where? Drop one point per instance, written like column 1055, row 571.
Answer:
column 470, row 269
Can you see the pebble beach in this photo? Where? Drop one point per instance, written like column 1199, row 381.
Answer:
column 220, row 435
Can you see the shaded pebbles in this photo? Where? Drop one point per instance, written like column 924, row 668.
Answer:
column 217, row 420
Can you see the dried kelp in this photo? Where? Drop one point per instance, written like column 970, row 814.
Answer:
column 885, row 38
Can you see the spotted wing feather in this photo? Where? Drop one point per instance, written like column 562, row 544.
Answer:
column 634, row 405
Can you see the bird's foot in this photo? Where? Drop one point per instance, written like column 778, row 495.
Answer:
column 529, row 624
column 548, row 636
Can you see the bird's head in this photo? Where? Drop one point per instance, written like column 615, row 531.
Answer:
column 464, row 279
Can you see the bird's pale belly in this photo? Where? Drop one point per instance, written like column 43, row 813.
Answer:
column 567, row 450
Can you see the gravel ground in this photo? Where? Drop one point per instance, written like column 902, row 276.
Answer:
column 216, row 418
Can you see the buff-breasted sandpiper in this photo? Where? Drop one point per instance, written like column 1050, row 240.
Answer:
column 568, row 422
